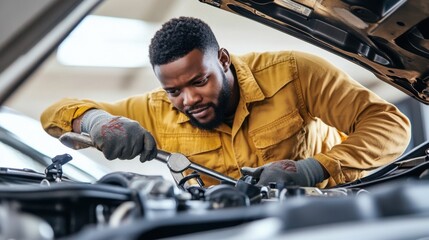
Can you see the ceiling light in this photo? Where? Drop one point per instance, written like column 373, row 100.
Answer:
column 107, row 42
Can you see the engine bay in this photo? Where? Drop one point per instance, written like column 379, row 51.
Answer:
column 125, row 205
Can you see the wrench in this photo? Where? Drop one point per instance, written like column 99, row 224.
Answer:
column 176, row 162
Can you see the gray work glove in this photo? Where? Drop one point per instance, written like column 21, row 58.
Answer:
column 304, row 173
column 118, row 137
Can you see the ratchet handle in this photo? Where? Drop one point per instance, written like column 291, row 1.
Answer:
column 162, row 156
column 76, row 141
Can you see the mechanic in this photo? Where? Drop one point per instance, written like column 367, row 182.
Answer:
column 279, row 116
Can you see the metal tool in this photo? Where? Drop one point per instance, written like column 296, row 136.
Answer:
column 176, row 162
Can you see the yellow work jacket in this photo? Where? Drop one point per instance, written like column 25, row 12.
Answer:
column 292, row 105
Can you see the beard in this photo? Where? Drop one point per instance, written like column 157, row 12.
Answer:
column 220, row 109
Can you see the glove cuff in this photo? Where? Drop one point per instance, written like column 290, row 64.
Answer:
column 312, row 170
column 91, row 117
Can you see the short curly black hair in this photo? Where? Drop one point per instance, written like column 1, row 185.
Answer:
column 178, row 37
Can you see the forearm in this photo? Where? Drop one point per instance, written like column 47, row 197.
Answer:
column 76, row 123
column 377, row 140
column 58, row 118
column 84, row 121
column 378, row 137
column 377, row 131
column 64, row 115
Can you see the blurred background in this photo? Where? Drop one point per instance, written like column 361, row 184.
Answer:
column 85, row 66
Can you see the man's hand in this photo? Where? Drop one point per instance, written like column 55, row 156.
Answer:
column 118, row 137
column 305, row 173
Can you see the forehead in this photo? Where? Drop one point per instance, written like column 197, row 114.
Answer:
column 185, row 68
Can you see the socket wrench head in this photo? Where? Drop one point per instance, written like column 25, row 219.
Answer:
column 178, row 162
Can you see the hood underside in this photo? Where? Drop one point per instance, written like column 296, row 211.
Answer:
column 390, row 38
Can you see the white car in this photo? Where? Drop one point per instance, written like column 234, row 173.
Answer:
column 388, row 37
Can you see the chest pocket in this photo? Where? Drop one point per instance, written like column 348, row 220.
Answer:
column 283, row 138
column 204, row 149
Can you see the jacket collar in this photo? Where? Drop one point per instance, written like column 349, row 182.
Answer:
column 182, row 117
column 249, row 88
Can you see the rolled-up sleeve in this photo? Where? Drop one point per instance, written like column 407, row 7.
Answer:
column 58, row 118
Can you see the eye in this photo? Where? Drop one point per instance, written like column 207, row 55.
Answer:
column 173, row 92
column 201, row 82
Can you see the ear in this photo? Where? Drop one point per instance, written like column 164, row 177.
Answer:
column 224, row 59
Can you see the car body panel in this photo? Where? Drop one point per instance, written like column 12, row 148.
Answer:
column 41, row 28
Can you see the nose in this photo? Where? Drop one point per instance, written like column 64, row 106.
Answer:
column 191, row 97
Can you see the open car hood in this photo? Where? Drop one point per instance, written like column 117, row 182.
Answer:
column 390, row 38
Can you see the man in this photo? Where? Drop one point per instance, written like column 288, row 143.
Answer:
column 292, row 116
